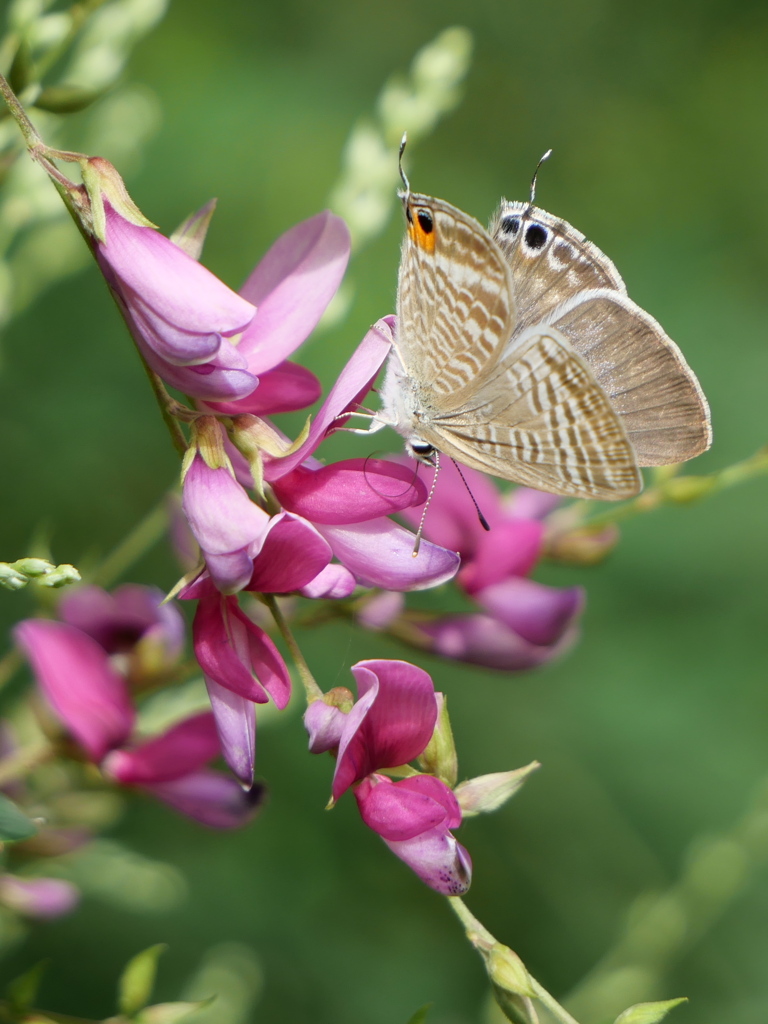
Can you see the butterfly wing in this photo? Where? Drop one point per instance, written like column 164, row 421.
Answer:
column 539, row 418
column 455, row 305
column 563, row 280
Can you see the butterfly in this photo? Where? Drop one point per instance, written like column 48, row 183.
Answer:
column 519, row 353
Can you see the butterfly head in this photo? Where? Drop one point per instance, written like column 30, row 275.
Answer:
column 421, row 450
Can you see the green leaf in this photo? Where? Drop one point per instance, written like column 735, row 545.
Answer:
column 648, row 1013
column 170, row 1013
column 22, row 991
column 421, row 1015
column 14, row 825
column 138, row 979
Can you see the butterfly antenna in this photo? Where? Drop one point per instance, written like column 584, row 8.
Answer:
column 406, row 183
column 480, row 516
column 417, row 542
column 546, row 157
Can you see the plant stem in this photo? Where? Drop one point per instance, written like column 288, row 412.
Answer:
column 482, row 939
column 311, row 688
column 165, row 403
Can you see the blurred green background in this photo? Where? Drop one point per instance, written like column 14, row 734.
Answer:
column 653, row 731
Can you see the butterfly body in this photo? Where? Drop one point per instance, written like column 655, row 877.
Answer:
column 519, row 353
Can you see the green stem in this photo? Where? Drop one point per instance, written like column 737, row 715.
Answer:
column 482, row 940
column 19, row 114
column 147, row 532
column 679, row 490
column 165, row 404
column 311, row 688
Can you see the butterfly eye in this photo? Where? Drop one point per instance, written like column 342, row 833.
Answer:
column 421, row 449
column 536, row 236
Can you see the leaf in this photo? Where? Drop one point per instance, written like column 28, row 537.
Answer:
column 648, row 1013
column 170, row 1013
column 138, row 979
column 22, row 991
column 421, row 1015
column 14, row 824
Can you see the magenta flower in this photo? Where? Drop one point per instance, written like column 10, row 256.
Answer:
column 41, row 898
column 391, row 724
column 192, row 330
column 91, row 700
column 522, row 623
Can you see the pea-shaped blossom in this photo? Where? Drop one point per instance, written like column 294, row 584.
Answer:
column 522, row 623
column 196, row 333
column 91, row 699
column 390, row 724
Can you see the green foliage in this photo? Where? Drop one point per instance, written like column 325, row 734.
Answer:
column 648, row 1013
column 421, row 1014
column 138, row 980
column 14, row 824
column 22, row 991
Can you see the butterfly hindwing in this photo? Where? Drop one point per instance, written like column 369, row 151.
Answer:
column 540, row 418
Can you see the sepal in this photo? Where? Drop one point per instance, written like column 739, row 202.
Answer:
column 648, row 1013
column 488, row 792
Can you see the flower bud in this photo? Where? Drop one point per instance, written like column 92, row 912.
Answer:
column 439, row 758
column 584, row 545
column 488, row 792
column 507, row 971
column 61, row 576
column 10, row 579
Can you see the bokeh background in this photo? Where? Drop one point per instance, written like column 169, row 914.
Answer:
column 653, row 732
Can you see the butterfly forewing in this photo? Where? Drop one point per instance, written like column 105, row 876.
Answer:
column 539, row 418
column 455, row 304
column 560, row 278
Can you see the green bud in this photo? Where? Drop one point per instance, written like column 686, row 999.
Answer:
column 518, row 1009
column 138, row 979
column 507, row 971
column 682, row 489
column 33, row 567
column 488, row 792
column 61, row 576
column 66, row 99
column 10, row 579
column 648, row 1013
column 439, row 758
column 190, row 235
column 584, row 545
column 170, row 1013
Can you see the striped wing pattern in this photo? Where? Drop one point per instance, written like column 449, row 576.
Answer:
column 539, row 418
column 455, row 303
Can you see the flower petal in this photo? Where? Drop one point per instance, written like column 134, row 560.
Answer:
column 536, row 612
column 78, row 681
column 236, row 724
column 325, row 725
column 285, row 388
column 389, row 728
column 397, row 813
column 483, row 640
column 292, row 286
column 222, row 516
column 222, row 649
column 334, row 583
column 353, row 383
column 43, row 898
column 352, row 491
column 380, row 554
column 211, row 798
column 292, row 555
column 180, row 750
column 511, row 548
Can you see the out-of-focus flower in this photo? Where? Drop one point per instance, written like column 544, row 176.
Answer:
column 41, row 898
column 522, row 623
column 91, row 700
column 390, row 724
column 133, row 620
column 194, row 332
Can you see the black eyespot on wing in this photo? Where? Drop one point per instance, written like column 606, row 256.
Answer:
column 426, row 223
column 536, row 236
column 510, row 225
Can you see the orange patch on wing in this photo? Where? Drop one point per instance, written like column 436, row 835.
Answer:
column 425, row 240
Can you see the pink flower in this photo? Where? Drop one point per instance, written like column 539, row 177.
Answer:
column 91, row 700
column 193, row 331
column 522, row 623
column 41, row 898
column 391, row 724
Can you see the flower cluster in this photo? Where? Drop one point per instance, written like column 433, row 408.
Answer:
column 522, row 623
column 84, row 665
